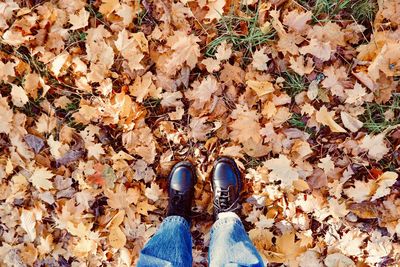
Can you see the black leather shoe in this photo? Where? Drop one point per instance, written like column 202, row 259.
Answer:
column 181, row 189
column 227, row 184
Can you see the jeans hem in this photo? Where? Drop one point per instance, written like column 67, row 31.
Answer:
column 177, row 219
column 224, row 221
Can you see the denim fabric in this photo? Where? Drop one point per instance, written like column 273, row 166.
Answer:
column 172, row 246
column 230, row 246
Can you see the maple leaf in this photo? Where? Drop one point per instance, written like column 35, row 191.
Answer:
column 327, row 164
column 201, row 94
column 79, row 21
column 144, row 87
column 290, row 248
column 6, row 116
column 297, row 21
column 31, row 84
column 383, row 183
column 326, row 118
column 94, row 150
column 171, row 99
column 298, row 65
column 224, row 51
column 6, row 70
column 334, row 78
column 45, row 123
column 361, row 191
column 215, row 9
column 351, row 242
column 117, row 238
column 18, row 96
column 375, row 146
column 321, row 50
column 261, row 87
column 260, row 60
column 141, row 142
column 211, row 64
column 355, row 96
column 127, row 13
column 281, row 170
column 108, row 6
column 153, row 192
column 338, row 259
column 40, row 178
column 199, row 128
column 245, row 125
column 144, row 207
column 185, row 49
column 59, row 62
column 122, row 197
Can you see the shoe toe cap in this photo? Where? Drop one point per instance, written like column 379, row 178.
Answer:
column 225, row 174
column 182, row 179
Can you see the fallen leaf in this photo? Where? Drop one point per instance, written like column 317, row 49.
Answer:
column 18, row 95
column 281, row 170
column 117, row 238
column 40, row 178
column 34, row 142
column 28, row 223
column 326, row 118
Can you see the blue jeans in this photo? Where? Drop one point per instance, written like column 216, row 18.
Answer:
column 172, row 245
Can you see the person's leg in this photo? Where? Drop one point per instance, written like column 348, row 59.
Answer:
column 172, row 244
column 229, row 244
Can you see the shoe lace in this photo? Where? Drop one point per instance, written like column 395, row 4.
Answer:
column 222, row 202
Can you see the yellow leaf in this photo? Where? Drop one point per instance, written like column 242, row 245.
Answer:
column 326, row 118
column 215, row 9
column 384, row 182
column 117, row 219
column 185, row 49
column 282, row 171
column 144, row 207
column 301, row 185
column 375, row 145
column 18, row 96
column 6, row 70
column 79, row 21
column 31, row 84
column 261, row 87
column 290, row 248
column 298, row 65
column 40, row 178
column 351, row 123
column 108, row 6
column 122, row 198
column 260, row 60
column 117, row 238
column 321, row 50
column 6, row 116
column 28, row 223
